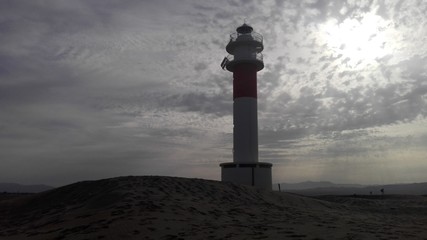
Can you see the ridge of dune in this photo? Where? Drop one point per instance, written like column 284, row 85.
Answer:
column 154, row 207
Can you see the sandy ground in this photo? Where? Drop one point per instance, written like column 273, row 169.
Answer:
column 179, row 208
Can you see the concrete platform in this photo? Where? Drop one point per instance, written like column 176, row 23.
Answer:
column 253, row 174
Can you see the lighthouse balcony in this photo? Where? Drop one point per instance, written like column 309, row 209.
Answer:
column 238, row 39
column 230, row 61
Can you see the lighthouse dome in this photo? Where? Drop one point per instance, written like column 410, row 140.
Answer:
column 244, row 29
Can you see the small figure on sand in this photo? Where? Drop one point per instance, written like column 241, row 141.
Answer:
column 382, row 191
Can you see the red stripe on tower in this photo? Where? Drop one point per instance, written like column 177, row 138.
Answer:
column 244, row 80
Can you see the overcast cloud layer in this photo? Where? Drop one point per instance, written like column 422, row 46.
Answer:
column 94, row 89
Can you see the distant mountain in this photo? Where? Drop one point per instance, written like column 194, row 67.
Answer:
column 311, row 185
column 18, row 188
column 327, row 188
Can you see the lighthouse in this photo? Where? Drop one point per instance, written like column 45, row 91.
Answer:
column 244, row 61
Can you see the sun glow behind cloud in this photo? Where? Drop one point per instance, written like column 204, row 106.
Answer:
column 359, row 41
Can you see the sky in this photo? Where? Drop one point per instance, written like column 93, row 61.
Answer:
column 95, row 89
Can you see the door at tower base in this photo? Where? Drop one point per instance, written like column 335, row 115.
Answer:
column 252, row 174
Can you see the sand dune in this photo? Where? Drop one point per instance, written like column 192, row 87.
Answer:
column 179, row 208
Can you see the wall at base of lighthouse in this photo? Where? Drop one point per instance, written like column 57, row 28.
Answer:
column 252, row 174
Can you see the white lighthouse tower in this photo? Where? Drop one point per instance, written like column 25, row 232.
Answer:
column 245, row 60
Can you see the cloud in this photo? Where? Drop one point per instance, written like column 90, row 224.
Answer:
column 96, row 89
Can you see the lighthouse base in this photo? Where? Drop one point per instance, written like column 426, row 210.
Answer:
column 252, row 174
